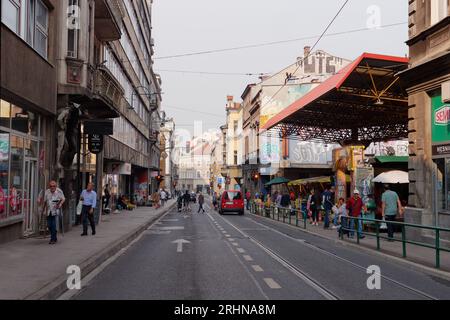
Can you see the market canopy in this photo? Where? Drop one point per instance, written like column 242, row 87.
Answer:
column 364, row 102
column 322, row 179
column 277, row 180
column 392, row 159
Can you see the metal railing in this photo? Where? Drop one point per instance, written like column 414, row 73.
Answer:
column 291, row 215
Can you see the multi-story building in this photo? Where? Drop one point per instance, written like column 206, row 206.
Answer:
column 28, row 42
column 428, row 87
column 66, row 64
column 195, row 165
column 233, row 150
column 265, row 157
column 105, row 72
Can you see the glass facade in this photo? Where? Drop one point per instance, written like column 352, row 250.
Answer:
column 443, row 184
column 20, row 180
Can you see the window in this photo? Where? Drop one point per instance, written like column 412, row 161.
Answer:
column 235, row 126
column 443, row 184
column 10, row 14
column 235, row 158
column 439, row 10
column 72, row 31
column 29, row 20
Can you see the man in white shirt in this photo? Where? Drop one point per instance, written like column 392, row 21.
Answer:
column 53, row 201
column 163, row 196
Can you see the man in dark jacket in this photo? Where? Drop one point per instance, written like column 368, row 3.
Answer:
column 201, row 201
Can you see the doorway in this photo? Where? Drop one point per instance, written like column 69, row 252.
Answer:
column 29, row 194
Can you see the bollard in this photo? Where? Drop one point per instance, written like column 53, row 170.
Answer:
column 378, row 234
column 438, row 258
column 403, row 241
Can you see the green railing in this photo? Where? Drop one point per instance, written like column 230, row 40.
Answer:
column 300, row 218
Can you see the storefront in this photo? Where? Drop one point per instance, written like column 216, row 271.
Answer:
column 22, row 163
column 440, row 137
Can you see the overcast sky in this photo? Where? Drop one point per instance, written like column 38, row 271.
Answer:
column 181, row 26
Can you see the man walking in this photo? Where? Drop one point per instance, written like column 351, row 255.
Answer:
column 355, row 207
column 87, row 212
column 390, row 206
column 327, row 201
column 163, row 196
column 247, row 197
column 53, row 201
column 201, row 201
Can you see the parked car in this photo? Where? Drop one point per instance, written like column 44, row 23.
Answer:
column 231, row 201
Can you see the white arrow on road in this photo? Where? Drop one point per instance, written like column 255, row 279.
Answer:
column 179, row 243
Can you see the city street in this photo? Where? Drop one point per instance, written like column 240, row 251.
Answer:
column 209, row 256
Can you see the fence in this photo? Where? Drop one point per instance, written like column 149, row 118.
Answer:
column 285, row 215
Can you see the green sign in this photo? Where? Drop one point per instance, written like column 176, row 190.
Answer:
column 440, row 120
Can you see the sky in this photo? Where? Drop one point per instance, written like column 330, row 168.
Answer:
column 181, row 26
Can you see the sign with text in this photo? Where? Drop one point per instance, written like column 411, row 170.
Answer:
column 95, row 143
column 440, row 121
column 103, row 127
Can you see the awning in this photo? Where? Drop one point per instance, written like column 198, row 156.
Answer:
column 394, row 176
column 396, row 159
column 363, row 102
column 322, row 179
column 277, row 180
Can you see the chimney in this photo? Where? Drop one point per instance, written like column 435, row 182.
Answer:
column 229, row 98
column 307, row 50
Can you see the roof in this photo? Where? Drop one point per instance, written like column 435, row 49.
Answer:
column 386, row 159
column 347, row 99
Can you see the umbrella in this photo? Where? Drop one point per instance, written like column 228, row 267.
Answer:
column 394, row 176
column 277, row 180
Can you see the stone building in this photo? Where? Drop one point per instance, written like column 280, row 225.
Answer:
column 428, row 87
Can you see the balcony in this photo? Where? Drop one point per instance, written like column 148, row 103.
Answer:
column 107, row 94
column 108, row 19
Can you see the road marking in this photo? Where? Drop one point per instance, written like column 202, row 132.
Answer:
column 171, row 228
column 234, row 244
column 158, row 232
column 231, row 239
column 179, row 243
column 169, row 220
column 240, row 250
column 227, row 235
column 257, row 268
column 223, row 231
column 271, row 283
column 247, row 257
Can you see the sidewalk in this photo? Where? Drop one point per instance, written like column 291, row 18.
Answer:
column 424, row 258
column 33, row 269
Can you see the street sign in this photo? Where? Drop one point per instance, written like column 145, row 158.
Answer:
column 103, row 127
column 95, row 143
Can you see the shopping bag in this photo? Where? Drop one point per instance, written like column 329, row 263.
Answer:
column 79, row 207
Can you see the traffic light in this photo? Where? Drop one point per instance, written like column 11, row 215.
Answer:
column 255, row 176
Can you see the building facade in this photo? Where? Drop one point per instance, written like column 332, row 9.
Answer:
column 428, row 87
column 29, row 34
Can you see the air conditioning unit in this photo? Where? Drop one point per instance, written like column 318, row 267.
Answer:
column 446, row 92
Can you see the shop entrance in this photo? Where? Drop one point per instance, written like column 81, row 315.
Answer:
column 29, row 193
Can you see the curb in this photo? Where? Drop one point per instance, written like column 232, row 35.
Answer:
column 56, row 287
column 412, row 265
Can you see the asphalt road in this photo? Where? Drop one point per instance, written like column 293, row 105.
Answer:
column 209, row 256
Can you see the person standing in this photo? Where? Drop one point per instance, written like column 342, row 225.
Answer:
column 201, row 201
column 107, row 196
column 53, row 201
column 390, row 206
column 163, row 197
column 187, row 201
column 327, row 201
column 247, row 197
column 89, row 204
column 355, row 206
column 312, row 207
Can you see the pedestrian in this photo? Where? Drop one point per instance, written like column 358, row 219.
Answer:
column 89, row 204
column 355, row 206
column 390, row 206
column 201, row 201
column 163, row 195
column 106, row 197
column 311, row 207
column 53, row 201
column 328, row 203
column 187, row 201
column 248, row 197
column 340, row 214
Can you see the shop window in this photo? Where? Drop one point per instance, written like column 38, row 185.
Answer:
column 5, row 114
column 443, row 184
column 24, row 121
column 16, row 173
column 4, row 169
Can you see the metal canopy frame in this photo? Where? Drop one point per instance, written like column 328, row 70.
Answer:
column 364, row 103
